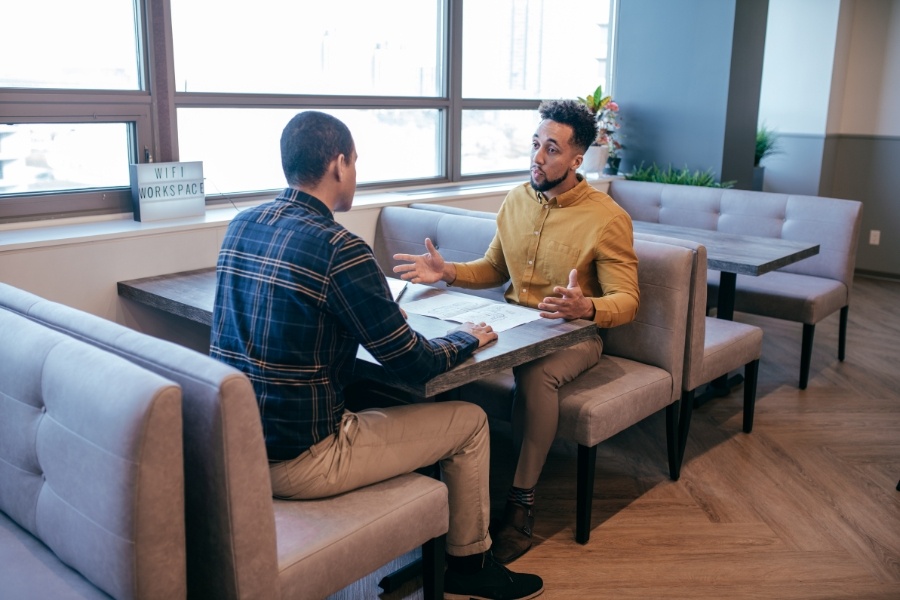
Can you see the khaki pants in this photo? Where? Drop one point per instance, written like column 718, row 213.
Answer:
column 536, row 411
column 377, row 444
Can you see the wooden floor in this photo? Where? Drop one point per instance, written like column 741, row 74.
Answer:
column 806, row 506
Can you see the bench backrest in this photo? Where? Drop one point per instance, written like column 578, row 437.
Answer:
column 657, row 334
column 91, row 460
column 696, row 314
column 229, row 519
column 458, row 237
column 655, row 337
column 830, row 222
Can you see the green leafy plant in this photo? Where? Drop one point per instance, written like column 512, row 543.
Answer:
column 677, row 176
column 606, row 112
column 766, row 144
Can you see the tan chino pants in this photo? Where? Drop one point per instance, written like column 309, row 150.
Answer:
column 377, row 444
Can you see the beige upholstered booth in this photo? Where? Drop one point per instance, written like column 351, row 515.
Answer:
column 714, row 347
column 242, row 544
column 805, row 292
column 640, row 372
column 91, row 478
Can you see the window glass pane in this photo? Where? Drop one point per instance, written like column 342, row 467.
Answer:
column 240, row 148
column 87, row 44
column 40, row 157
column 495, row 141
column 542, row 49
column 356, row 47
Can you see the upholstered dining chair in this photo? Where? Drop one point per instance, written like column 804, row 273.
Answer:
column 639, row 373
column 713, row 348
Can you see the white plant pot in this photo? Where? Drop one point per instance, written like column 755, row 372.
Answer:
column 594, row 160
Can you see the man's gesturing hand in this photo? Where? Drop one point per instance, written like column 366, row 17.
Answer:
column 422, row 268
column 571, row 305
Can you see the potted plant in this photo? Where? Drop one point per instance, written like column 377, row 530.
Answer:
column 603, row 155
column 766, row 145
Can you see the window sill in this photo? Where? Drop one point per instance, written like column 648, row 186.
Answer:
column 38, row 234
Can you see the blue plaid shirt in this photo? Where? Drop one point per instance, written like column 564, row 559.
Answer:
column 296, row 294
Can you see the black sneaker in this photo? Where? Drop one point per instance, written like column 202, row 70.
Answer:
column 492, row 582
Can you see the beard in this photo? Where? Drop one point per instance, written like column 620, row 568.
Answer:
column 548, row 184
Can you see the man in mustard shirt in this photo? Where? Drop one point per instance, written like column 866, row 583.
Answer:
column 566, row 249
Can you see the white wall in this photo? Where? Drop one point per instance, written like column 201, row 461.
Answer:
column 832, row 67
column 797, row 68
column 872, row 84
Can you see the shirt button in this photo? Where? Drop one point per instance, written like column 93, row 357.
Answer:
column 537, row 233
column 530, row 262
column 525, row 291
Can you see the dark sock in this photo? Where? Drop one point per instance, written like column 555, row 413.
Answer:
column 521, row 496
column 466, row 564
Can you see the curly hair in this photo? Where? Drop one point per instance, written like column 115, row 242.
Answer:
column 574, row 114
column 309, row 142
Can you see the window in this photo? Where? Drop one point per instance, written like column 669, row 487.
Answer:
column 430, row 97
column 393, row 145
column 350, row 48
column 547, row 48
column 73, row 109
column 40, row 157
column 69, row 45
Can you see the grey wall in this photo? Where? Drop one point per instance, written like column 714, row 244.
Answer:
column 695, row 77
column 831, row 77
column 867, row 168
column 689, row 100
column 797, row 166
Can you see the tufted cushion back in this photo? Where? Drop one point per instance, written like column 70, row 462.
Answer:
column 830, row 222
column 457, row 235
column 91, row 460
column 231, row 551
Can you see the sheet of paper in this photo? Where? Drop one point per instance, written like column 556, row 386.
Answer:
column 459, row 308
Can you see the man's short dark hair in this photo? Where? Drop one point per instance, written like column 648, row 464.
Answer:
column 309, row 142
column 577, row 116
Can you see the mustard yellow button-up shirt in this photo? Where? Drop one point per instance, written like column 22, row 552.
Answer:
column 539, row 241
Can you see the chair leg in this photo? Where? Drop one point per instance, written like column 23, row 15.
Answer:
column 751, row 374
column 587, row 462
column 806, row 353
column 842, row 333
column 672, row 445
column 433, row 568
column 684, row 423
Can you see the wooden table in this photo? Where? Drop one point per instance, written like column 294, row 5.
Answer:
column 190, row 294
column 733, row 254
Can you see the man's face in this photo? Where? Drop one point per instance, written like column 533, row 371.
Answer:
column 553, row 158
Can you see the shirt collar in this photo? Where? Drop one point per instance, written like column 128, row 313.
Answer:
column 302, row 199
column 566, row 198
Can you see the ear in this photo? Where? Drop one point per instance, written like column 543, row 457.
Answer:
column 337, row 167
column 579, row 158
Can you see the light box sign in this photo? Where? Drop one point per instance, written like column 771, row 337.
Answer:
column 167, row 190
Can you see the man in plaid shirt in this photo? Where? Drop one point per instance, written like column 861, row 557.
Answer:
column 296, row 295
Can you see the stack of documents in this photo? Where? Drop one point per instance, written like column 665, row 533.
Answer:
column 460, row 308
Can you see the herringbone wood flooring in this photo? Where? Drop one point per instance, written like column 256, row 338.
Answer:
column 803, row 507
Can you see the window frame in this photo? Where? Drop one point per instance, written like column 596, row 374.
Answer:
column 152, row 114
column 29, row 106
